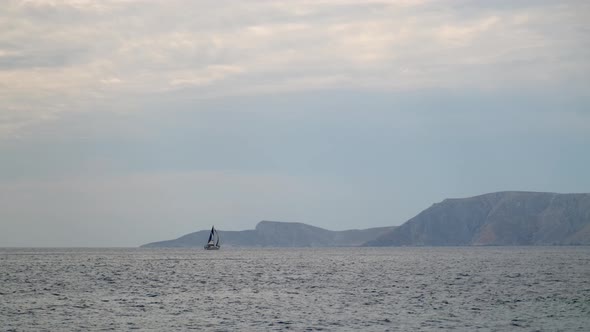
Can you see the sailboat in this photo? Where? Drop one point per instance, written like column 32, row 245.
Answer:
column 213, row 243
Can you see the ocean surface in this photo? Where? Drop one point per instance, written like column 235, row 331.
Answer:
column 337, row 289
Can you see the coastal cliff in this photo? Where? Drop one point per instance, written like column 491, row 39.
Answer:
column 502, row 218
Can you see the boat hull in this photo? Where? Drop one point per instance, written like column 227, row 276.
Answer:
column 211, row 247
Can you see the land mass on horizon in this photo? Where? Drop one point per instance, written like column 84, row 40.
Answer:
column 279, row 234
column 513, row 218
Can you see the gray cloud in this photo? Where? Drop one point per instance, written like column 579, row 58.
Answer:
column 82, row 52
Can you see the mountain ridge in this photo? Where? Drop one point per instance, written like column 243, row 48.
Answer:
column 500, row 218
column 278, row 234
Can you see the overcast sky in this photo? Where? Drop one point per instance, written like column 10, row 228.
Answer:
column 129, row 121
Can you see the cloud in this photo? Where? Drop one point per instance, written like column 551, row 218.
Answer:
column 76, row 55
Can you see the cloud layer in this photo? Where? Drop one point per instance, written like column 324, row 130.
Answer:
column 74, row 55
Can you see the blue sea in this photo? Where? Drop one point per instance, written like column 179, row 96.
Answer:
column 327, row 289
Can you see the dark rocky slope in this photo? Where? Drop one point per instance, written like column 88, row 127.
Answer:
column 503, row 218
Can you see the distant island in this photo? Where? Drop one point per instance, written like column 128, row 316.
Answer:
column 502, row 218
column 279, row 234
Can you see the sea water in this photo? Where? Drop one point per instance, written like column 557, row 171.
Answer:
column 336, row 289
